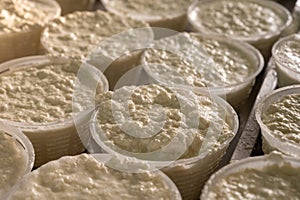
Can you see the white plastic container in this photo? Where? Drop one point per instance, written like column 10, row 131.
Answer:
column 50, row 140
column 69, row 6
column 189, row 174
column 27, row 42
column 263, row 42
column 25, row 145
column 270, row 142
column 235, row 94
column 256, row 163
column 171, row 19
column 287, row 75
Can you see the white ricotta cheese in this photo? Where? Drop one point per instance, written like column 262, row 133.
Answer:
column 271, row 182
column 237, row 18
column 38, row 93
column 69, row 36
column 282, row 117
column 147, row 10
column 21, row 24
column 287, row 53
column 12, row 162
column 227, row 63
column 286, row 57
column 41, row 92
column 23, row 15
column 147, row 118
column 259, row 23
column 158, row 13
column 155, row 123
column 82, row 177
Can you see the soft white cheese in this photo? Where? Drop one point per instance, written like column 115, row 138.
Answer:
column 245, row 18
column 78, row 33
column 40, row 93
column 84, row 178
column 147, row 118
column 148, row 9
column 287, row 53
column 271, row 182
column 282, row 117
column 22, row 15
column 199, row 61
column 12, row 162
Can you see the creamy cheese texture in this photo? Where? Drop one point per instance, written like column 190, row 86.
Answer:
column 148, row 9
column 12, row 162
column 76, row 34
column 237, row 18
column 21, row 15
column 82, row 177
column 288, row 53
column 272, row 182
column 39, row 93
column 282, row 117
column 199, row 60
column 147, row 118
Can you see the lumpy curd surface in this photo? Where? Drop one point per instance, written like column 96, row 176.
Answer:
column 282, row 117
column 153, row 116
column 82, row 177
column 149, row 9
column 21, row 15
column 288, row 53
column 237, row 18
column 272, row 182
column 228, row 63
column 40, row 93
column 78, row 33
